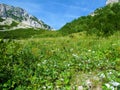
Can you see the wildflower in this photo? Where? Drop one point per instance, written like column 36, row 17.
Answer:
column 49, row 87
column 89, row 50
column 75, row 55
column 102, row 75
column 62, row 79
column 44, row 87
column 107, row 85
column 110, row 73
column 44, row 62
column 98, row 64
column 115, row 83
column 38, row 64
column 80, row 87
column 93, row 51
column 68, row 65
column 71, row 49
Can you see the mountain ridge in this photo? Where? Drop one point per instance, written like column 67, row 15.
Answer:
column 10, row 13
column 112, row 1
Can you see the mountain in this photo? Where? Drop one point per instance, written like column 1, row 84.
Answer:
column 112, row 1
column 104, row 22
column 16, row 17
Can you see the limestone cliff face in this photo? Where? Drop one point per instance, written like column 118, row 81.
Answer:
column 112, row 1
column 21, row 16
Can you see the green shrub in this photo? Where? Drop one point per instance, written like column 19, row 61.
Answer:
column 105, row 22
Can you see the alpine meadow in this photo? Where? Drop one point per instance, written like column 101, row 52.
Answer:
column 84, row 54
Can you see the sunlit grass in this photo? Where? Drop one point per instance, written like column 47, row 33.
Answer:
column 63, row 63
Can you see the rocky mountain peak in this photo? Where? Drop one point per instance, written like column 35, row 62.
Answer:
column 112, row 1
column 20, row 15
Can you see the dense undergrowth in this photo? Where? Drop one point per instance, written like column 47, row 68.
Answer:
column 61, row 63
column 28, row 33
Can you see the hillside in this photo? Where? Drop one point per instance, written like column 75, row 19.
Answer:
column 104, row 22
column 27, row 33
column 82, row 55
column 15, row 17
column 112, row 1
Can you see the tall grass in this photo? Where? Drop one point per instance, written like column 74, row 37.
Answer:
column 60, row 63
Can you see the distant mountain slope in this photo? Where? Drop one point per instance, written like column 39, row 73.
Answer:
column 112, row 1
column 104, row 22
column 16, row 17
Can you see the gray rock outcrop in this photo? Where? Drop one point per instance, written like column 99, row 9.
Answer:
column 112, row 1
column 21, row 16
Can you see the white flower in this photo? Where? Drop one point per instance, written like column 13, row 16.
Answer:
column 107, row 85
column 110, row 73
column 62, row 79
column 89, row 50
column 49, row 87
column 38, row 64
column 112, row 88
column 44, row 62
column 115, row 83
column 98, row 64
column 68, row 65
column 93, row 51
column 102, row 75
column 75, row 55
column 44, row 87
column 80, row 87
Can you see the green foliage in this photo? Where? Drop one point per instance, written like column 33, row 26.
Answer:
column 56, row 63
column 104, row 22
column 46, row 60
column 13, row 24
column 1, row 20
column 2, row 27
column 28, row 33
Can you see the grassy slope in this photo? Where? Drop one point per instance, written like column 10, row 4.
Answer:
column 46, row 60
column 61, row 62
column 104, row 22
column 27, row 33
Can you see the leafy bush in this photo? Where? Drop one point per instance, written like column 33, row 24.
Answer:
column 1, row 20
column 14, row 24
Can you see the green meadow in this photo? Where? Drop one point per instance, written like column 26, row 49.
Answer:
column 60, row 63
column 83, row 55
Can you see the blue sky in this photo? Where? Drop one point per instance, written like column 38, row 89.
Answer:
column 56, row 13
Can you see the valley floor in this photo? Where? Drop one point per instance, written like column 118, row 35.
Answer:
column 73, row 62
